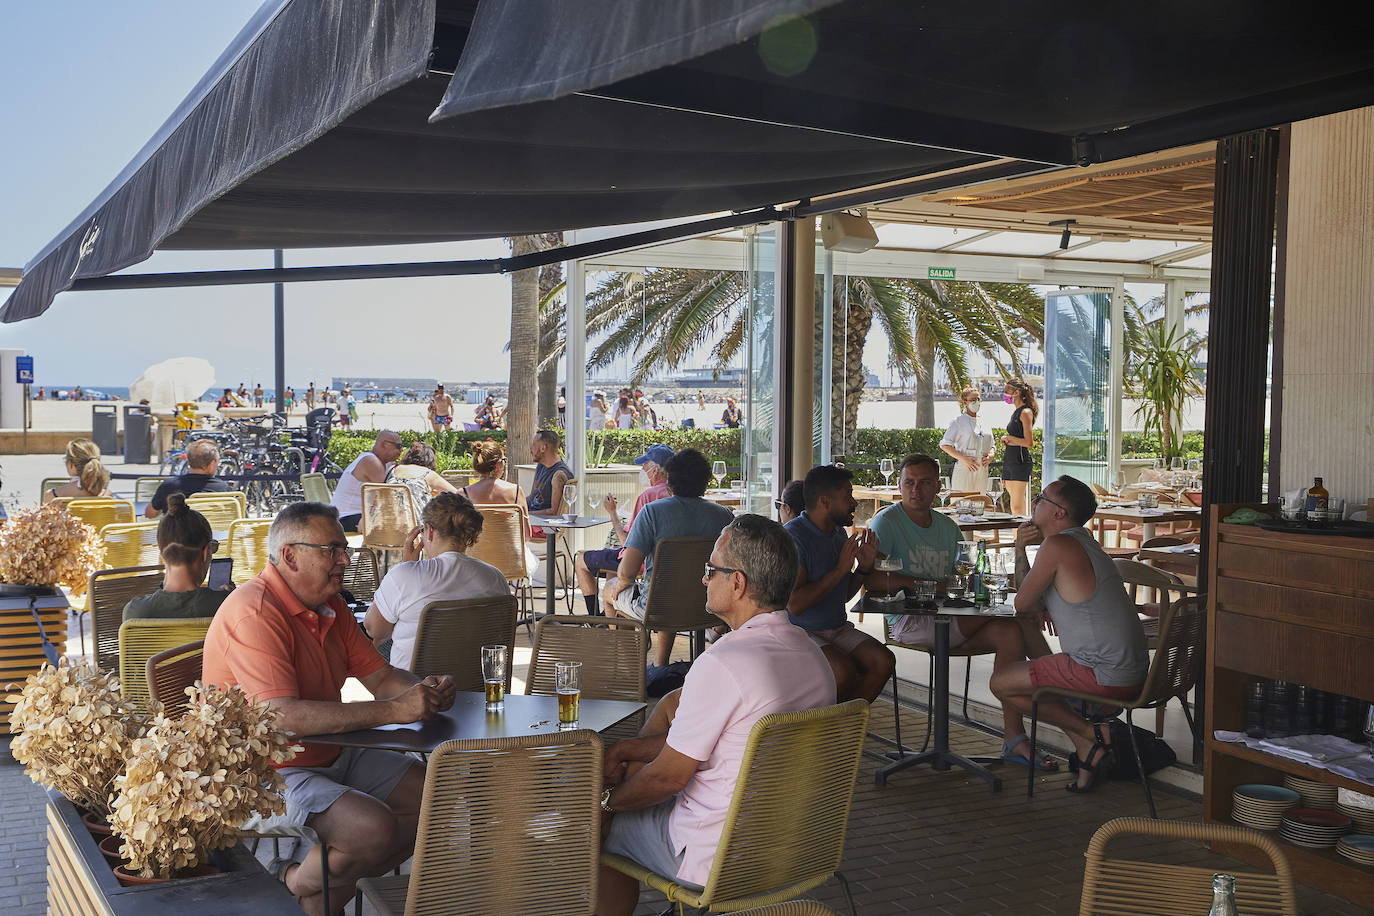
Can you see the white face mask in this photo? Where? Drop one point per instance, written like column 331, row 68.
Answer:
column 643, row 478
column 973, row 407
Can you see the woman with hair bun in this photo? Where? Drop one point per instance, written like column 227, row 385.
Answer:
column 416, row 468
column 451, row 524
column 89, row 479
column 1019, row 440
column 491, row 489
column 186, row 543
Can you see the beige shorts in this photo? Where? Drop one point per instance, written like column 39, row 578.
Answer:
column 846, row 638
column 919, row 630
column 631, row 600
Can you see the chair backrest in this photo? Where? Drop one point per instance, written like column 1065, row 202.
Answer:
column 1178, row 657
column 1162, row 540
column 101, row 512
column 388, row 515
column 1099, row 490
column 130, row 544
column 248, row 547
column 528, row 812
column 1139, row 575
column 108, row 591
column 677, row 595
column 1193, row 496
column 790, row 908
column 142, row 638
column 145, row 487
column 611, row 650
column 170, row 672
column 316, row 488
column 786, row 826
column 1119, row 885
column 984, row 498
column 451, row 634
column 51, row 483
column 220, row 509
column 502, row 541
column 458, row 478
column 362, row 577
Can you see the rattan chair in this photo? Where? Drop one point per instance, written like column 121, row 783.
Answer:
column 101, row 512
column 142, row 638
column 146, row 487
column 451, row 634
column 108, row 591
column 505, row 529
column 1158, row 888
column 611, row 650
column 316, row 488
column 509, row 826
column 1163, row 588
column 248, row 547
column 1173, row 672
column 220, row 509
column 361, row 578
column 51, row 483
column 459, row 479
column 130, row 544
column 790, row 908
column 388, row 515
column 677, row 593
column 170, row 672
column 784, row 833
column 963, row 652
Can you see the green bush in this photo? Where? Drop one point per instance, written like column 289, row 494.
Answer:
column 450, row 446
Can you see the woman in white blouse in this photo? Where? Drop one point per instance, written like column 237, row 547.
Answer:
column 970, row 445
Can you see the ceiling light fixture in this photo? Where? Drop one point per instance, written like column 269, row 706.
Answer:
column 1066, row 223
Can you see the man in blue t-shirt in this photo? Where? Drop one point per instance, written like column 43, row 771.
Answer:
column 684, row 514
column 827, row 580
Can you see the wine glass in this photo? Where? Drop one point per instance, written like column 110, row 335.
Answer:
column 944, row 487
column 718, row 472
column 570, row 494
column 885, row 468
column 1118, row 481
column 888, row 564
column 995, row 491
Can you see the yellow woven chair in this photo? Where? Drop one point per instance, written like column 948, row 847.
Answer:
column 101, row 512
column 316, row 488
column 528, row 814
column 784, row 833
column 790, row 908
column 388, row 515
column 130, row 544
column 107, row 592
column 677, row 595
column 248, row 547
column 220, row 509
column 1156, row 888
column 51, row 483
column 450, row 636
column 145, row 487
column 170, row 672
column 611, row 650
column 142, row 638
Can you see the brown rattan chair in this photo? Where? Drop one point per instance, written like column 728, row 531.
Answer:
column 170, row 672
column 109, row 590
column 1173, row 672
column 509, row 826
column 677, row 594
column 1152, row 589
column 1157, row 888
column 388, row 515
column 458, row 478
column 451, row 634
column 611, row 650
column 790, row 908
column 502, row 541
column 784, row 833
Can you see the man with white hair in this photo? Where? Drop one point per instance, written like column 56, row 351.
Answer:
column 202, row 461
column 590, row 562
column 287, row 638
column 369, row 467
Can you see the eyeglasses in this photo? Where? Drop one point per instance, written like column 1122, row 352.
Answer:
column 712, row 570
column 1040, row 496
column 335, row 551
column 777, row 504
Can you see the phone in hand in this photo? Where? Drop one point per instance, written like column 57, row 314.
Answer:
column 221, row 573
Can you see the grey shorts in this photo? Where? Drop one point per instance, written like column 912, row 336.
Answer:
column 631, row 600
column 642, row 836
column 310, row 790
column 846, row 637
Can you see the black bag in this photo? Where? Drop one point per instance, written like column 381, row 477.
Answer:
column 668, row 678
column 1155, row 753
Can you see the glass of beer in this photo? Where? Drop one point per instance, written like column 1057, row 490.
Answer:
column 494, row 677
column 568, row 682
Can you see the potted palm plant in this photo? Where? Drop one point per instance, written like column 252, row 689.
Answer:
column 1163, row 376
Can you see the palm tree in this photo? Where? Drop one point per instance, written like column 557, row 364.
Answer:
column 522, row 417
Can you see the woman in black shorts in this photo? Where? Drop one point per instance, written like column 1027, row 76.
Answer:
column 1020, row 438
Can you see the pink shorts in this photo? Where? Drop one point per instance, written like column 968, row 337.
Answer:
column 1061, row 671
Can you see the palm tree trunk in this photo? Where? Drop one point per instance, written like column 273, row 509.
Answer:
column 850, row 334
column 550, row 276
column 521, row 406
column 925, row 382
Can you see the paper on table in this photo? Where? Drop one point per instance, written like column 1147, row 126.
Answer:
column 402, row 727
column 1184, row 548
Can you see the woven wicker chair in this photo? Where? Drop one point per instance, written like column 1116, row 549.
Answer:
column 611, row 650
column 142, row 638
column 51, row 483
column 146, row 487
column 170, row 672
column 963, row 652
column 790, row 908
column 1155, row 888
column 107, row 593
column 361, row 577
column 1164, row 588
column 388, row 515
column 316, row 488
column 505, row 529
column 220, row 509
column 677, row 594
column 130, row 544
column 528, row 814
column 248, row 547
column 451, row 634
column 784, row 833
column 459, row 479
column 1173, row 672
column 101, row 512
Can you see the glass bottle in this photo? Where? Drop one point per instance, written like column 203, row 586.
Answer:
column 982, row 571
column 1223, row 896
column 1317, row 497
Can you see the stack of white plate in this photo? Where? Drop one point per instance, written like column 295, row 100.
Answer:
column 1312, row 828
column 1319, row 795
column 1261, row 806
column 1358, row 847
column 1359, row 808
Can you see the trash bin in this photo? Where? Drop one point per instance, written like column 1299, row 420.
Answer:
column 105, row 428
column 138, row 434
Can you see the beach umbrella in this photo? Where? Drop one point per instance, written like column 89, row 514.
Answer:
column 164, row 384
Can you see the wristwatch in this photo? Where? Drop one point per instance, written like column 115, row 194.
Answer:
column 606, row 800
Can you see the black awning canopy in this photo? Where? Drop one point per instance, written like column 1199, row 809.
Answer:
column 329, row 122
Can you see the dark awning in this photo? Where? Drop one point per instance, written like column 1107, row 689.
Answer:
column 314, row 129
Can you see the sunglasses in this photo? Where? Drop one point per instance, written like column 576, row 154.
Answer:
column 712, row 570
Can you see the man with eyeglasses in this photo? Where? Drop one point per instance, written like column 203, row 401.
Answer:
column 287, row 638
column 1075, row 587
column 369, row 467
column 669, row 793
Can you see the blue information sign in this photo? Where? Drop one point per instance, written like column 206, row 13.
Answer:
column 23, row 370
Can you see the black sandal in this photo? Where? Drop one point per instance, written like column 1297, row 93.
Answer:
column 1097, row 765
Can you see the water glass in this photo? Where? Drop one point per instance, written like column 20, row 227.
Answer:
column 494, row 677
column 944, row 484
column 924, row 592
column 570, row 494
column 568, row 682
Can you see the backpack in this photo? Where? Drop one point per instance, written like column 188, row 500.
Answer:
column 1155, row 753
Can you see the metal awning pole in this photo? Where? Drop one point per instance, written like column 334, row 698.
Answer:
column 279, row 332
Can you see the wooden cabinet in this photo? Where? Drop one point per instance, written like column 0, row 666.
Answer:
column 1297, row 608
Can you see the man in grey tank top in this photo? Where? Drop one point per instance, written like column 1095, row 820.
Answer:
column 1076, row 591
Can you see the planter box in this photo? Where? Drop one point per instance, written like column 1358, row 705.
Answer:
column 80, row 881
column 21, row 648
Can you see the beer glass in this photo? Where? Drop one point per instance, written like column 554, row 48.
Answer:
column 568, row 682
column 494, row 677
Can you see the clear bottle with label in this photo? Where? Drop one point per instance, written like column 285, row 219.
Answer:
column 1223, row 896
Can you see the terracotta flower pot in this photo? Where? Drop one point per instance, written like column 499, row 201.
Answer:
column 109, row 847
column 96, row 824
column 131, row 880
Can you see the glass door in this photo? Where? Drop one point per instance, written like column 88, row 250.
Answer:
column 757, row 429
column 1076, row 414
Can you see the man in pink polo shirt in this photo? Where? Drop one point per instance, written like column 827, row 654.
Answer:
column 669, row 813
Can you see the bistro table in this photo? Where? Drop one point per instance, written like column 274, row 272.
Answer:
column 1182, row 563
column 988, row 521
column 940, row 757
column 1148, row 518
column 729, row 498
column 468, row 718
column 878, row 494
column 551, row 525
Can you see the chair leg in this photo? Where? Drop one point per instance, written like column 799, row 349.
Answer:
column 1030, row 776
column 324, row 869
column 1192, row 726
column 1140, row 767
column 968, row 674
column 81, row 630
column 848, row 895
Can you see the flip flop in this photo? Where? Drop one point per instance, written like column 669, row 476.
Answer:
column 1043, row 765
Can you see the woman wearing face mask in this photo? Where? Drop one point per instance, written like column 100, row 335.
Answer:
column 1020, row 438
column 970, row 445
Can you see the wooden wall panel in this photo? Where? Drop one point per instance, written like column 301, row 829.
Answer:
column 1328, row 362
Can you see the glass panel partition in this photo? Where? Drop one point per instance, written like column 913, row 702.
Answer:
column 1078, row 326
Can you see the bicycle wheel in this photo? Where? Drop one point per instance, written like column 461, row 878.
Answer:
column 228, row 466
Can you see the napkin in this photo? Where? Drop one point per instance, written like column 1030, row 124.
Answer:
column 1184, row 548
column 1151, row 512
column 967, row 518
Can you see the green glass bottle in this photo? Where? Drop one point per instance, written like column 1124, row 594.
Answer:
column 982, row 570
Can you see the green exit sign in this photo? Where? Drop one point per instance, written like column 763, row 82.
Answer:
column 940, row 273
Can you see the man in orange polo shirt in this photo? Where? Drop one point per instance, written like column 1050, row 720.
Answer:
column 286, row 637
